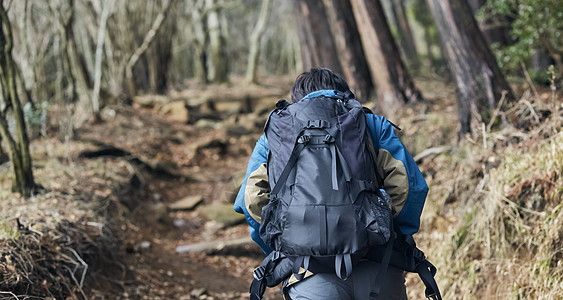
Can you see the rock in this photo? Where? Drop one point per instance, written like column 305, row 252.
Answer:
column 198, row 292
column 187, row 203
column 232, row 187
column 177, row 111
column 206, row 124
column 151, row 100
column 221, row 213
column 161, row 213
column 236, row 130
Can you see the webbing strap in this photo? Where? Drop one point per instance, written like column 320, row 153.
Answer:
column 323, row 227
column 340, row 261
column 333, row 167
column 382, row 272
column 426, row 271
column 301, row 261
column 290, row 163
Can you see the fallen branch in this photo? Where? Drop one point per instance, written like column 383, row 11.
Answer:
column 431, row 151
column 214, row 246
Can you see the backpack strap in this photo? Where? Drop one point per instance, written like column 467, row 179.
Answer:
column 343, row 260
column 382, row 272
column 266, row 275
column 301, row 262
column 301, row 142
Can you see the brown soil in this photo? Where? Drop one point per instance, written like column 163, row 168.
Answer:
column 156, row 271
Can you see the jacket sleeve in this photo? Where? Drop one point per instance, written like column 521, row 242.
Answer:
column 400, row 175
column 255, row 191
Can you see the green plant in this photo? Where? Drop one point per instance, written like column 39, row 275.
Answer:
column 535, row 24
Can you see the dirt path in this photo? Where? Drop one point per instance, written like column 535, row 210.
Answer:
column 203, row 161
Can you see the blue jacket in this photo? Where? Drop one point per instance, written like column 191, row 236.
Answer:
column 401, row 179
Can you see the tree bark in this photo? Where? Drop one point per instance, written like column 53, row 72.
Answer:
column 255, row 39
column 149, row 38
column 393, row 83
column 479, row 80
column 348, row 43
column 98, row 63
column 199, row 23
column 317, row 44
column 218, row 71
column 18, row 149
column 407, row 40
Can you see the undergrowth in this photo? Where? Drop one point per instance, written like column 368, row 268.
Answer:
column 493, row 223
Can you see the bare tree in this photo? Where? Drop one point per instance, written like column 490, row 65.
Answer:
column 18, row 148
column 218, row 70
column 393, row 83
column 405, row 33
column 317, row 45
column 149, row 38
column 480, row 83
column 255, row 40
column 99, row 51
column 351, row 54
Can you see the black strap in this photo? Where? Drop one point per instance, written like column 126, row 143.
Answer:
column 290, row 163
column 343, row 260
column 426, row 271
column 376, row 287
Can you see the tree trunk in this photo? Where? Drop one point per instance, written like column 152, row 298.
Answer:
column 149, row 38
column 479, row 80
column 18, row 149
column 318, row 48
column 219, row 68
column 255, row 39
column 98, row 63
column 393, row 83
column 159, row 56
column 199, row 23
column 407, row 40
column 347, row 39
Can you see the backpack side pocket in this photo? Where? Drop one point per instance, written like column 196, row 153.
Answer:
column 270, row 226
column 375, row 214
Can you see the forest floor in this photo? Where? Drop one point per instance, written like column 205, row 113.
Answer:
column 106, row 225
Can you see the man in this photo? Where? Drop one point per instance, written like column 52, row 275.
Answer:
column 397, row 174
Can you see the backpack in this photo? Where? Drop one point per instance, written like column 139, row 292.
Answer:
column 325, row 211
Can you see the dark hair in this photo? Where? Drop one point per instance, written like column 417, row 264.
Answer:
column 317, row 79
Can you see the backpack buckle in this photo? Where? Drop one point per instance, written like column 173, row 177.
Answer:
column 317, row 124
column 259, row 273
column 328, row 139
column 304, row 139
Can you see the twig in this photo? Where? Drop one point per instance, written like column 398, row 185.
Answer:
column 531, row 108
column 484, row 135
column 76, row 281
column 497, row 110
column 529, row 79
column 83, row 264
column 10, row 293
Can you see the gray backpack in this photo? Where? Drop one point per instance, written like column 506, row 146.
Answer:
column 326, row 210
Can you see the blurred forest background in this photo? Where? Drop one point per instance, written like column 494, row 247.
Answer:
column 126, row 126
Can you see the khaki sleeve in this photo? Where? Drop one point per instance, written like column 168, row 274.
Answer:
column 395, row 179
column 257, row 192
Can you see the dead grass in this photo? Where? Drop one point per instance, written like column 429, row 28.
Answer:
column 493, row 222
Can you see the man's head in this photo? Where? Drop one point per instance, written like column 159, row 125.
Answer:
column 317, row 79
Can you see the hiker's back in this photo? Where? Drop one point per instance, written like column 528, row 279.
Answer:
column 325, row 209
